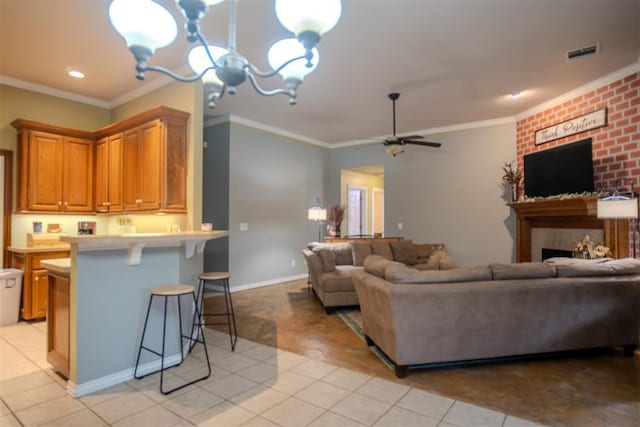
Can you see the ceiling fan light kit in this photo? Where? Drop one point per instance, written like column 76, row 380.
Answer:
column 147, row 26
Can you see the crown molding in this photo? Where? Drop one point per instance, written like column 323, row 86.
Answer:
column 610, row 78
column 230, row 118
column 58, row 93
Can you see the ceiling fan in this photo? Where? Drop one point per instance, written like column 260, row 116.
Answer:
column 395, row 144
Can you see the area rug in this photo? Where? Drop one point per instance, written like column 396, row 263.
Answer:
column 353, row 319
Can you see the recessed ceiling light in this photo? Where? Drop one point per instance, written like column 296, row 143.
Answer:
column 75, row 73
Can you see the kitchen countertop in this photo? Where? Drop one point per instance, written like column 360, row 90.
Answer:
column 36, row 249
column 60, row 265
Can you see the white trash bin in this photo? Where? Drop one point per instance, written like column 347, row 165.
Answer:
column 10, row 291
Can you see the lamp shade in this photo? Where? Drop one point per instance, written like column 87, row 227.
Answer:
column 395, row 149
column 286, row 49
column 317, row 214
column 199, row 61
column 317, row 16
column 617, row 208
column 143, row 23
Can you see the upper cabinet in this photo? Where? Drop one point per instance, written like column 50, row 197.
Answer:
column 56, row 169
column 136, row 165
column 154, row 160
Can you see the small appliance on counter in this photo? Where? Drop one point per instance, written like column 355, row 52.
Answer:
column 86, row 227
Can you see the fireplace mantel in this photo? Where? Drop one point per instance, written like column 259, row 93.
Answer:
column 577, row 212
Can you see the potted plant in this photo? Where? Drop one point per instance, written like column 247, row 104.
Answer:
column 335, row 215
column 514, row 178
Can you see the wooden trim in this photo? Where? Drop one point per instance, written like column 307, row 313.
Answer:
column 579, row 212
column 7, row 203
column 20, row 124
column 161, row 112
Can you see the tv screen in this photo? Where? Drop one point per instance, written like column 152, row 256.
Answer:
column 564, row 169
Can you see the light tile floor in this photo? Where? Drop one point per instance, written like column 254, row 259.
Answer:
column 255, row 386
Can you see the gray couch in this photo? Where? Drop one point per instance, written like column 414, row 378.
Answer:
column 331, row 265
column 429, row 317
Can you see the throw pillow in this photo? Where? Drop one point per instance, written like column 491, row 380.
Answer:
column 360, row 251
column 440, row 259
column 327, row 257
column 382, row 249
column 404, row 252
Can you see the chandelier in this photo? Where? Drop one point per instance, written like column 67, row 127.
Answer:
column 147, row 26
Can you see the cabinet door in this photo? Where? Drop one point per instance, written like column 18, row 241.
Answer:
column 39, row 293
column 58, row 323
column 131, row 165
column 102, row 175
column 116, row 168
column 77, row 175
column 108, row 173
column 44, row 179
column 150, row 152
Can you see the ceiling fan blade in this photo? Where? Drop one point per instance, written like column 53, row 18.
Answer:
column 425, row 143
column 411, row 137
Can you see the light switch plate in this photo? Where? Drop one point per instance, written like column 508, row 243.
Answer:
column 244, row 226
column 400, row 226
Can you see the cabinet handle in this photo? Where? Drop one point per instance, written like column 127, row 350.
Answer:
column 59, row 202
column 138, row 200
column 65, row 204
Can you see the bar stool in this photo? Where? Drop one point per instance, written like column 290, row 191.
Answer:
column 231, row 318
column 166, row 292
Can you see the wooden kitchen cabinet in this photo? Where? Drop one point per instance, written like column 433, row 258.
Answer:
column 58, row 322
column 34, row 280
column 154, row 163
column 109, row 173
column 55, row 169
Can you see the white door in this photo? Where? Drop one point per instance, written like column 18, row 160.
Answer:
column 357, row 211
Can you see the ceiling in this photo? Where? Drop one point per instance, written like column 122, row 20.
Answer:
column 453, row 61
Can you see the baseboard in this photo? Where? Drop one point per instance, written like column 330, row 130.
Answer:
column 271, row 282
column 79, row 390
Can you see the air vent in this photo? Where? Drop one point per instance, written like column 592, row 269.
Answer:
column 576, row 53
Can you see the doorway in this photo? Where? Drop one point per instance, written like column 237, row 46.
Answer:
column 356, row 210
column 377, row 214
column 6, row 161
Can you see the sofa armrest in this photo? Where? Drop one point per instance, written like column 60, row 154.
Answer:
column 314, row 265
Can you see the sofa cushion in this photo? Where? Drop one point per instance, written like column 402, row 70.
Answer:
column 404, row 251
column 376, row 265
column 382, row 249
column 337, row 281
column 360, row 250
column 398, row 273
column 524, row 270
column 569, row 267
column 327, row 258
column 342, row 251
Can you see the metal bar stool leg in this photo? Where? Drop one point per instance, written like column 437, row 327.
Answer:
column 231, row 317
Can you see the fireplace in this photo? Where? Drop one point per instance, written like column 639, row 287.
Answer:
column 575, row 217
column 547, row 253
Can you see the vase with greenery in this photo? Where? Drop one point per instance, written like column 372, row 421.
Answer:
column 513, row 177
column 335, row 215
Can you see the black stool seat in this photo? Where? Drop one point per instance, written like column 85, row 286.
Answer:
column 223, row 277
column 167, row 292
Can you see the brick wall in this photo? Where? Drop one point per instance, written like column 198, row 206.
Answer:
column 616, row 147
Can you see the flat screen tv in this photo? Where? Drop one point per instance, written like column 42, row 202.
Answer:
column 564, row 169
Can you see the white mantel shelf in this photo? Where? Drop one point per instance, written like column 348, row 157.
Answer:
column 192, row 240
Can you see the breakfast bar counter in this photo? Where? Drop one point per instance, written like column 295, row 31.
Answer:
column 110, row 279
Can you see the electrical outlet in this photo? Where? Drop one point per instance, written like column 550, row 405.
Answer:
column 400, row 226
column 244, row 226
column 293, row 263
column 205, row 144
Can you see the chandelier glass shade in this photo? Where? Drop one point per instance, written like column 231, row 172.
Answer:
column 147, row 26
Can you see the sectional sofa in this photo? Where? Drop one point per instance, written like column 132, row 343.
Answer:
column 497, row 310
column 331, row 265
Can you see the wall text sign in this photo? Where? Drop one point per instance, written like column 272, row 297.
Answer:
column 571, row 127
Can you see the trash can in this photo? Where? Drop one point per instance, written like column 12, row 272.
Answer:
column 10, row 291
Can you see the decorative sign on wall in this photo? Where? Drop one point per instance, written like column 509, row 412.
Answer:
column 570, row 127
